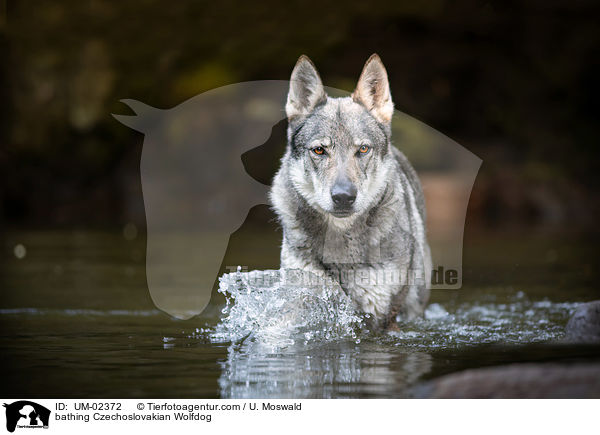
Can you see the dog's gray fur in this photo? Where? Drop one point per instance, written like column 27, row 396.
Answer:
column 377, row 225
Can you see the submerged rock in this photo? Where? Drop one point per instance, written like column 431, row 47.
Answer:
column 517, row 381
column 584, row 325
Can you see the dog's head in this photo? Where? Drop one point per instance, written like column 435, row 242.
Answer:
column 340, row 146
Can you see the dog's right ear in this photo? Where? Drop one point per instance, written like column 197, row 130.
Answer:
column 306, row 90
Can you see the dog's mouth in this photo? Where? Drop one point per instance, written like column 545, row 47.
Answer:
column 342, row 213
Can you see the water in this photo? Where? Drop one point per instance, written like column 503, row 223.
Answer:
column 288, row 341
column 518, row 322
column 77, row 321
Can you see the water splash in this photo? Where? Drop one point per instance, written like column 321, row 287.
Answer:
column 275, row 309
column 520, row 321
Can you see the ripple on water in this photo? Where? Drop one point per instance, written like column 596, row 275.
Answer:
column 519, row 322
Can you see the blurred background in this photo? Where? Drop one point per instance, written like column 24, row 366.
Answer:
column 515, row 83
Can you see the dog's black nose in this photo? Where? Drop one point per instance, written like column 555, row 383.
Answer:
column 343, row 195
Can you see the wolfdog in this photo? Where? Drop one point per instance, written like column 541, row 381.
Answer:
column 350, row 204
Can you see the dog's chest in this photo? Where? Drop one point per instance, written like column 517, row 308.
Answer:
column 359, row 245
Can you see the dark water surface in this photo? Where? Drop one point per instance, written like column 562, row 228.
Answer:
column 77, row 321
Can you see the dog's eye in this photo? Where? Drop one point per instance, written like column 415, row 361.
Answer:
column 364, row 149
column 319, row 150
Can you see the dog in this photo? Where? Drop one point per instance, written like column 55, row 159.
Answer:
column 350, row 204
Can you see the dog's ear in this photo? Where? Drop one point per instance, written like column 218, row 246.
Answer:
column 306, row 90
column 373, row 90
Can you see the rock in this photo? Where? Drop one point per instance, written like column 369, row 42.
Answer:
column 543, row 381
column 584, row 325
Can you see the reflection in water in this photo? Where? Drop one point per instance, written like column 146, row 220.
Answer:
column 330, row 370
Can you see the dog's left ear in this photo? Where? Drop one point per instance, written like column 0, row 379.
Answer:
column 373, row 90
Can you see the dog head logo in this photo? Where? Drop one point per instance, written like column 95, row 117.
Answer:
column 26, row 414
column 197, row 191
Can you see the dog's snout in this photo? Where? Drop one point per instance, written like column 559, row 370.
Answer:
column 343, row 199
column 343, row 194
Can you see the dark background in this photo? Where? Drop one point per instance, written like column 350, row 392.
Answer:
column 516, row 83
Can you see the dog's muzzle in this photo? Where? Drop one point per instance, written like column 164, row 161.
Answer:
column 343, row 195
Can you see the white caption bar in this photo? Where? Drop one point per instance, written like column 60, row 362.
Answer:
column 23, row 416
